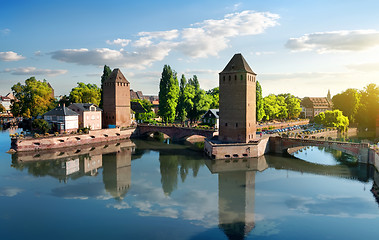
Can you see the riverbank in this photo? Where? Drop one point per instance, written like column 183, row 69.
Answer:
column 68, row 140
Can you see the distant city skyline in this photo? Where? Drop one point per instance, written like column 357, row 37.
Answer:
column 298, row 47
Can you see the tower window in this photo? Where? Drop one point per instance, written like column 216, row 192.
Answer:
column 226, row 124
column 223, row 78
column 235, row 77
column 230, row 78
column 241, row 77
column 236, row 124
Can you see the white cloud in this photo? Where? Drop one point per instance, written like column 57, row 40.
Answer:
column 34, row 71
column 365, row 67
column 5, row 31
column 118, row 58
column 119, row 41
column 264, row 53
column 209, row 37
column 10, row 56
column 37, row 53
column 201, row 40
column 335, row 41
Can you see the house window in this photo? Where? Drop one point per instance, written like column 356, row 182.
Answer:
column 93, row 117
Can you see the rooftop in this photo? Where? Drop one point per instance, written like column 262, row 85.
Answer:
column 237, row 64
column 61, row 111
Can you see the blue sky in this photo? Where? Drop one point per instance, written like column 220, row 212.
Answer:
column 300, row 47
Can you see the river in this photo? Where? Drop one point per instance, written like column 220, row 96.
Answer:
column 153, row 190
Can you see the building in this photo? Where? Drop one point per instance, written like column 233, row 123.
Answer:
column 237, row 101
column 52, row 90
column 237, row 123
column 62, row 119
column 89, row 115
column 6, row 102
column 152, row 98
column 211, row 118
column 116, row 100
column 312, row 106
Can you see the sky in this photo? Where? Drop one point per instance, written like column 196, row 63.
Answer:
column 300, row 47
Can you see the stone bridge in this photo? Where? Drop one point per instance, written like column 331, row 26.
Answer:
column 359, row 150
column 175, row 133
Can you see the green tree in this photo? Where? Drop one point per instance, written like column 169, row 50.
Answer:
column 33, row 98
column 348, row 102
column 196, row 100
column 181, row 108
column 106, row 73
column 259, row 103
column 2, row 108
column 333, row 118
column 292, row 105
column 214, row 94
column 368, row 108
column 275, row 107
column 64, row 100
column 148, row 113
column 41, row 126
column 168, row 94
column 85, row 93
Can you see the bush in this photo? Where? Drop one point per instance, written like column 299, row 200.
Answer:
column 40, row 126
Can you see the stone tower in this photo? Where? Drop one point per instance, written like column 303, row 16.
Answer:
column 116, row 105
column 237, row 101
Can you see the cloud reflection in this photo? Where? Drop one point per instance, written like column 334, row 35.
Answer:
column 9, row 191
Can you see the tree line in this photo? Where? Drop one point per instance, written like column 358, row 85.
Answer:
column 185, row 100
column 361, row 107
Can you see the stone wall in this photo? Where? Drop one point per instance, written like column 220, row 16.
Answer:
column 236, row 150
column 68, row 140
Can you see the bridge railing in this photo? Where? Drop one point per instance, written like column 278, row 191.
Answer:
column 169, row 125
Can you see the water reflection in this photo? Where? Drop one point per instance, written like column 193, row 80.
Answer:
column 158, row 195
column 117, row 172
column 73, row 163
column 236, row 194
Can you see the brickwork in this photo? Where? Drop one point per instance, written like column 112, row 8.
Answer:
column 116, row 95
column 237, row 101
column 175, row 133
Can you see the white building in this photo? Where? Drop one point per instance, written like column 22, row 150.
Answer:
column 62, row 119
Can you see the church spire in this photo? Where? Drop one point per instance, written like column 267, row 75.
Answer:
column 329, row 97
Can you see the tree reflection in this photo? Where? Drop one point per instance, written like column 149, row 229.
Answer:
column 173, row 165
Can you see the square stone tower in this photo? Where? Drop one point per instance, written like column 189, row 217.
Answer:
column 116, row 100
column 237, row 101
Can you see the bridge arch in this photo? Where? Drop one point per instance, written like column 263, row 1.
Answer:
column 282, row 144
column 175, row 133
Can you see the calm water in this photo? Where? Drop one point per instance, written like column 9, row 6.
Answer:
column 158, row 191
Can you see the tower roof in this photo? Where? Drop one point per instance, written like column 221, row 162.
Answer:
column 237, row 64
column 117, row 76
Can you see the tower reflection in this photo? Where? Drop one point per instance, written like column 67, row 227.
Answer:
column 236, row 193
column 117, row 172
